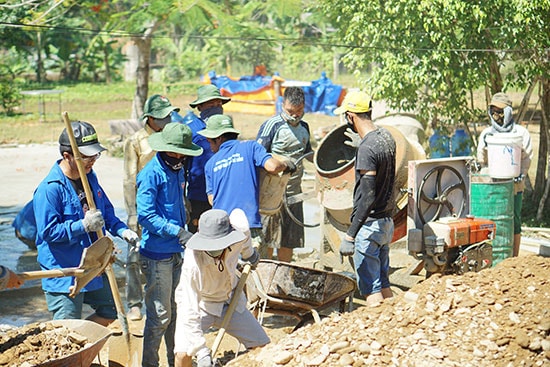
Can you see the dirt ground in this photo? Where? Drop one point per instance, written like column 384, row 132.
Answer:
column 499, row 317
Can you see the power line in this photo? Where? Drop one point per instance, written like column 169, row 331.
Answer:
column 308, row 41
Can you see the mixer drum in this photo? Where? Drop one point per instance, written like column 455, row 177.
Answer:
column 335, row 179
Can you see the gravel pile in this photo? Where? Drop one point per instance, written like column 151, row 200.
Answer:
column 497, row 317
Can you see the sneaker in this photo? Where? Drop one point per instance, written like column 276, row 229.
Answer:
column 134, row 314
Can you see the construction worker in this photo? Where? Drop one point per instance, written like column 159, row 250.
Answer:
column 288, row 136
column 232, row 179
column 367, row 239
column 502, row 121
column 137, row 153
column 208, row 280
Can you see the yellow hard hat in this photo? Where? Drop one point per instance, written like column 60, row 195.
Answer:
column 356, row 102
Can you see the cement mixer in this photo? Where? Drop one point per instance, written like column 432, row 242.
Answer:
column 335, row 180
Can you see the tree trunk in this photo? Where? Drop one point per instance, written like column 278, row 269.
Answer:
column 143, row 44
column 106, row 62
column 39, row 62
column 542, row 162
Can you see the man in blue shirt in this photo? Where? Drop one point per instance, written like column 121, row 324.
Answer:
column 232, row 179
column 209, row 102
column 161, row 213
column 66, row 226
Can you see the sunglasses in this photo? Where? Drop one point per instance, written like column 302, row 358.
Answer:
column 89, row 159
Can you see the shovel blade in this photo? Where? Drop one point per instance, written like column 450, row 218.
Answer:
column 94, row 260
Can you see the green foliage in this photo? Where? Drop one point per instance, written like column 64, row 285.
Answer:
column 429, row 56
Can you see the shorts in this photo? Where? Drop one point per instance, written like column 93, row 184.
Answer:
column 372, row 255
column 518, row 200
column 65, row 307
column 280, row 230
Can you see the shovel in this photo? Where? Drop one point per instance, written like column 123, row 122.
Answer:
column 90, row 198
column 231, row 308
column 94, row 260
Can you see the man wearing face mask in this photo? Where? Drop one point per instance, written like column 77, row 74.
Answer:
column 209, row 102
column 161, row 213
column 368, row 237
column 502, row 121
column 208, row 279
column 137, row 153
column 288, row 136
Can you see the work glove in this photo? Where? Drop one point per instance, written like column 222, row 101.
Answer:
column 184, row 236
column 129, row 236
column 253, row 260
column 354, row 138
column 290, row 166
column 93, row 221
column 347, row 247
column 205, row 361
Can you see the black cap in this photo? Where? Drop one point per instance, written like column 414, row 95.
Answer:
column 85, row 136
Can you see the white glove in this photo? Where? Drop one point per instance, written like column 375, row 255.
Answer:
column 238, row 220
column 354, row 138
column 184, row 236
column 205, row 361
column 93, row 221
column 130, row 236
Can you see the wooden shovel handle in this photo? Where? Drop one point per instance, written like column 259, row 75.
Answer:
column 53, row 273
column 91, row 204
column 231, row 308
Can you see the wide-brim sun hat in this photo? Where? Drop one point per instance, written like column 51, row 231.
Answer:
column 158, row 107
column 501, row 100
column 175, row 138
column 85, row 136
column 218, row 125
column 356, row 102
column 207, row 93
column 215, row 232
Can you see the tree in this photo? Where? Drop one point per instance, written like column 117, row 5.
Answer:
column 430, row 56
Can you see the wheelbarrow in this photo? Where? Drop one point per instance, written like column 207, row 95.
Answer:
column 292, row 290
column 96, row 336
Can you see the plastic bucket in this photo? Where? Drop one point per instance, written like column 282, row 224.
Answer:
column 495, row 201
column 272, row 189
column 504, row 155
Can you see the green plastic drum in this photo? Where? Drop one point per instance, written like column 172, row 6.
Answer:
column 495, row 201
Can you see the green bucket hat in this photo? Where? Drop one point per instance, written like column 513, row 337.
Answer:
column 218, row 125
column 158, row 107
column 207, row 93
column 176, row 138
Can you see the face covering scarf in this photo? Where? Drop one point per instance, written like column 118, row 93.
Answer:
column 293, row 120
column 503, row 122
column 211, row 111
column 175, row 164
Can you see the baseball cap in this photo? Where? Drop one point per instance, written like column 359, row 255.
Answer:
column 356, row 102
column 207, row 93
column 85, row 136
column 176, row 138
column 158, row 107
column 215, row 232
column 218, row 125
column 501, row 100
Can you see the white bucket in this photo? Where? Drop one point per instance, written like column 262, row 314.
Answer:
column 504, row 155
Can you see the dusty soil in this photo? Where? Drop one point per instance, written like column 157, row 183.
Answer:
column 497, row 317
column 37, row 343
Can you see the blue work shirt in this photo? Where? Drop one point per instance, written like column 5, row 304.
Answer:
column 196, row 181
column 232, row 178
column 61, row 237
column 160, row 208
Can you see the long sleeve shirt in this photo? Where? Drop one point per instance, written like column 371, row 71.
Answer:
column 204, row 289
column 61, row 237
column 137, row 153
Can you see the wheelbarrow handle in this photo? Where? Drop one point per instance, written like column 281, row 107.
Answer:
column 53, row 273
